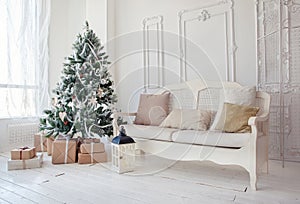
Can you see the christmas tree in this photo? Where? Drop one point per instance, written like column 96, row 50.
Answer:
column 85, row 94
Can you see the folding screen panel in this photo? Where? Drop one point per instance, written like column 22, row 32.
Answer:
column 278, row 72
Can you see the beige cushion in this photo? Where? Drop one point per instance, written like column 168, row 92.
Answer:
column 188, row 119
column 149, row 132
column 153, row 109
column 240, row 95
column 234, row 118
column 211, row 138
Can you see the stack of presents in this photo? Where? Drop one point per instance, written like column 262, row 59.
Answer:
column 24, row 158
column 62, row 150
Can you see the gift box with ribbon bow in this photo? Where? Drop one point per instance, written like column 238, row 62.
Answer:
column 64, row 151
column 92, row 148
column 40, row 142
column 97, row 157
column 23, row 153
column 91, row 151
column 50, row 145
column 35, row 162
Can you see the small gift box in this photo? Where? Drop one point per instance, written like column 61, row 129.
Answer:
column 92, row 158
column 40, row 142
column 92, row 148
column 90, row 140
column 49, row 145
column 64, row 151
column 35, row 162
column 22, row 153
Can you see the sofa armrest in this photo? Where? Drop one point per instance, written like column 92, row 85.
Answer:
column 255, row 119
column 259, row 124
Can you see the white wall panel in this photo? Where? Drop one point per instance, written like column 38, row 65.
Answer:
column 128, row 22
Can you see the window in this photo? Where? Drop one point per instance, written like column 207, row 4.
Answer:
column 23, row 57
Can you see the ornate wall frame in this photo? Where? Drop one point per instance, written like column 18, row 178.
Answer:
column 155, row 22
column 223, row 8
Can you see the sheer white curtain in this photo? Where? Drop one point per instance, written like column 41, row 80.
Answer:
column 24, row 57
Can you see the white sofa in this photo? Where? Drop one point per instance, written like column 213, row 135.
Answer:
column 248, row 150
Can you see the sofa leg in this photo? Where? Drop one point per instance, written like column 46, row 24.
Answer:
column 253, row 180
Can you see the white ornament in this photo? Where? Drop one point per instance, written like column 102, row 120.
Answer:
column 70, row 104
column 62, row 115
column 93, row 101
column 100, row 92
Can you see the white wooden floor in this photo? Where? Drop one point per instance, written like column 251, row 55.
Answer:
column 151, row 182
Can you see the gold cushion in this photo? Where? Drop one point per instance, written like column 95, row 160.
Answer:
column 234, row 118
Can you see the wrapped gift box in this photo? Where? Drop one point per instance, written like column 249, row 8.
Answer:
column 49, row 145
column 92, row 158
column 40, row 142
column 22, row 153
column 92, row 148
column 90, row 140
column 64, row 151
column 35, row 162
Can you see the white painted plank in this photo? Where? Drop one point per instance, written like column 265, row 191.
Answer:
column 3, row 201
column 25, row 192
column 177, row 184
column 11, row 197
column 133, row 182
column 129, row 180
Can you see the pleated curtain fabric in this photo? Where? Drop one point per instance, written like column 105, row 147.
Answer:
column 24, row 57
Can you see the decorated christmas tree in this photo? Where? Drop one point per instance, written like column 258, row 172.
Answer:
column 85, row 95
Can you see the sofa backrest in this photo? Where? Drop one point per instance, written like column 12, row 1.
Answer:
column 197, row 94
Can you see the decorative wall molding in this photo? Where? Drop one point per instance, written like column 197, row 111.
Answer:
column 223, row 8
column 153, row 25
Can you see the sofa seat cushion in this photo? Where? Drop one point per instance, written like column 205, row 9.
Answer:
column 211, row 138
column 149, row 132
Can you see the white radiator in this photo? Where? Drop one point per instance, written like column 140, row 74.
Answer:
column 21, row 134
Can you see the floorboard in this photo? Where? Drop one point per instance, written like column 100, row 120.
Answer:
column 155, row 180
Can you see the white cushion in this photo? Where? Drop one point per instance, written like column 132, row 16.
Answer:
column 188, row 119
column 240, row 96
column 211, row 138
column 149, row 132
